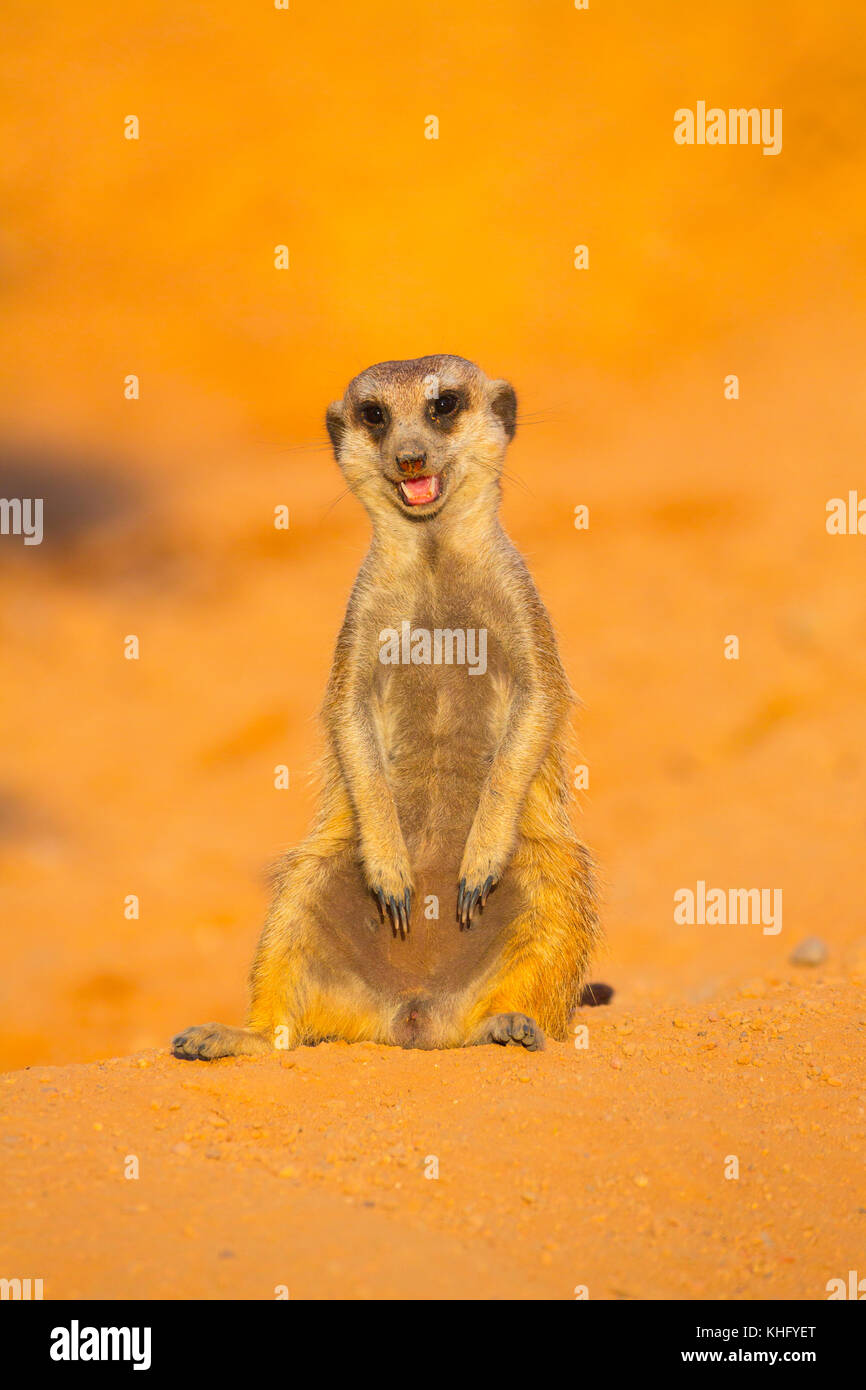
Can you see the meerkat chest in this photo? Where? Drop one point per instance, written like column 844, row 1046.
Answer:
column 447, row 633
column 443, row 684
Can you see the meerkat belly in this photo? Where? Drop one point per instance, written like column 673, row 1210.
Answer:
column 441, row 703
column 440, row 727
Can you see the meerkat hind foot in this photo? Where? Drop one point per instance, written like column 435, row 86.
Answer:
column 511, row 1028
column 208, row 1041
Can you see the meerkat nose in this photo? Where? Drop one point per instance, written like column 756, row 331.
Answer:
column 411, row 463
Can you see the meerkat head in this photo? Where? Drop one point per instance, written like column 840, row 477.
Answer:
column 422, row 436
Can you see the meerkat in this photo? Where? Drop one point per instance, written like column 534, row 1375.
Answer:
column 441, row 898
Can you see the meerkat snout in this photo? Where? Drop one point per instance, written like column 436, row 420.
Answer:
column 411, row 463
column 424, row 436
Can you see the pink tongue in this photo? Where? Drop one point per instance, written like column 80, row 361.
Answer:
column 417, row 490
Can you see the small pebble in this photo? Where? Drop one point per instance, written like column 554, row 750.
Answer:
column 811, row 951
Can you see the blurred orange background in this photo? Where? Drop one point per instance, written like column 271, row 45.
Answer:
column 261, row 127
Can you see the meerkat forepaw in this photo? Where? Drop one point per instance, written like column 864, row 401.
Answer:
column 395, row 906
column 484, row 860
column 471, row 896
column 389, row 879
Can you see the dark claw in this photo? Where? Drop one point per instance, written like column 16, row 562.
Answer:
column 392, row 913
column 470, row 898
column 395, row 910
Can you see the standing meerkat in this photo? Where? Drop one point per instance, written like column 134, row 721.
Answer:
column 441, row 898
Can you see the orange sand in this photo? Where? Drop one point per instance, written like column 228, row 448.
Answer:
column 601, row 1168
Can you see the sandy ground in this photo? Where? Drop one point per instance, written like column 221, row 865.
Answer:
column 601, row 1166
column 370, row 1172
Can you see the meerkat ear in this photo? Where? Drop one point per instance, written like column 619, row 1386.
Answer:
column 335, row 424
column 503, row 403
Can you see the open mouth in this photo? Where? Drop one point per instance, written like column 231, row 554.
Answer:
column 416, row 491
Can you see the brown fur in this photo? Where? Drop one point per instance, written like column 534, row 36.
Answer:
column 431, row 776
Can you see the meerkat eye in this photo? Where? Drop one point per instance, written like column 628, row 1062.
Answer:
column 446, row 404
column 372, row 414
